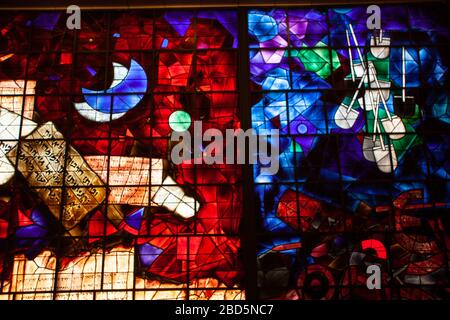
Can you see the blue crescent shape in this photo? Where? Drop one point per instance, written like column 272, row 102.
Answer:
column 122, row 96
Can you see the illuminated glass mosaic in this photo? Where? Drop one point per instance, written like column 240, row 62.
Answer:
column 364, row 176
column 92, row 206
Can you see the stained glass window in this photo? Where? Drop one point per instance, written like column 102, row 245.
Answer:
column 363, row 119
column 92, row 205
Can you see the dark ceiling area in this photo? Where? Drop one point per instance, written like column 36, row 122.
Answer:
column 124, row 4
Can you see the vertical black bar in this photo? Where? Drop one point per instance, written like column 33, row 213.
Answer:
column 248, row 222
column 448, row 13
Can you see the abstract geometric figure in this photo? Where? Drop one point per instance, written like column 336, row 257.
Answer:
column 376, row 245
column 46, row 21
column 303, row 132
column 83, row 276
column 174, row 68
column 148, row 254
column 180, row 21
column 273, row 57
column 345, row 116
column 277, row 79
column 316, row 283
column 31, row 232
column 380, row 46
column 441, row 108
column 317, row 59
column 11, row 130
column 45, row 174
column 307, row 28
column 139, row 181
column 13, row 93
column 125, row 92
column 262, row 26
column 180, row 121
